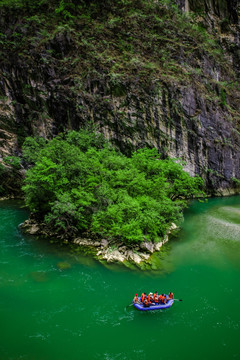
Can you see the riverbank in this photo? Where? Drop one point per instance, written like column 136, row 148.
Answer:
column 110, row 251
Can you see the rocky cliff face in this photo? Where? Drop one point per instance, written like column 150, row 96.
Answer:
column 187, row 105
column 221, row 18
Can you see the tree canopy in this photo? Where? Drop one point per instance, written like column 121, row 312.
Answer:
column 78, row 183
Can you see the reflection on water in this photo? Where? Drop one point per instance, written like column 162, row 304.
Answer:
column 39, row 276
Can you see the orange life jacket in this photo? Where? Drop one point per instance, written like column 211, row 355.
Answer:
column 149, row 298
column 143, row 297
column 162, row 299
column 155, row 298
column 170, row 295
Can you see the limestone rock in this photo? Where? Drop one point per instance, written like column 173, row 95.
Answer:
column 144, row 256
column 30, row 227
column 158, row 245
column 83, row 242
column 104, row 243
column 165, row 239
column 34, row 229
column 146, row 245
column 172, row 227
column 112, row 256
column 134, row 257
column 122, row 249
column 86, row 242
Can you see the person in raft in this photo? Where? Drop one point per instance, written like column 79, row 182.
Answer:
column 170, row 296
column 135, row 300
column 150, row 298
column 146, row 303
column 143, row 296
column 163, row 299
column 155, row 297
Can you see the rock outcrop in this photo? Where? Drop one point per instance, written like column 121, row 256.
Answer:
column 104, row 249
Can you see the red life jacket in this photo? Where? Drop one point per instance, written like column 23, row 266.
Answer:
column 170, row 295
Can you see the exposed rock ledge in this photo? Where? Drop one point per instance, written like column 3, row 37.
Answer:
column 108, row 250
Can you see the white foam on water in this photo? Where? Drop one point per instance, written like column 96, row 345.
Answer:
column 222, row 229
column 231, row 209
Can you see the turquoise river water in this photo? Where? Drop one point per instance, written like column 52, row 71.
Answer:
column 55, row 304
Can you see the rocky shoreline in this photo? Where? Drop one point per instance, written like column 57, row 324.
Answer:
column 110, row 251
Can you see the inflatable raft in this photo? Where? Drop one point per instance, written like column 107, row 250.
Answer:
column 141, row 307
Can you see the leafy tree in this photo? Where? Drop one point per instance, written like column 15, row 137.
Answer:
column 79, row 183
column 31, row 149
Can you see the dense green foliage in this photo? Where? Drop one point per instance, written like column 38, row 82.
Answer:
column 79, row 183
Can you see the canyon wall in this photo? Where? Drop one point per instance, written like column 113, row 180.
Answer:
column 194, row 117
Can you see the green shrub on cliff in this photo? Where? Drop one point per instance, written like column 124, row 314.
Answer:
column 13, row 161
column 79, row 183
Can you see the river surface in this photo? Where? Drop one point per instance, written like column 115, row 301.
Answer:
column 55, row 304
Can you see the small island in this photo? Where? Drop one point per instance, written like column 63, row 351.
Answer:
column 82, row 190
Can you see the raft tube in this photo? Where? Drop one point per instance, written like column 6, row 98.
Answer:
column 140, row 306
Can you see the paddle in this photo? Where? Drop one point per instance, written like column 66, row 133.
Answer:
column 177, row 299
column 138, row 302
column 132, row 304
